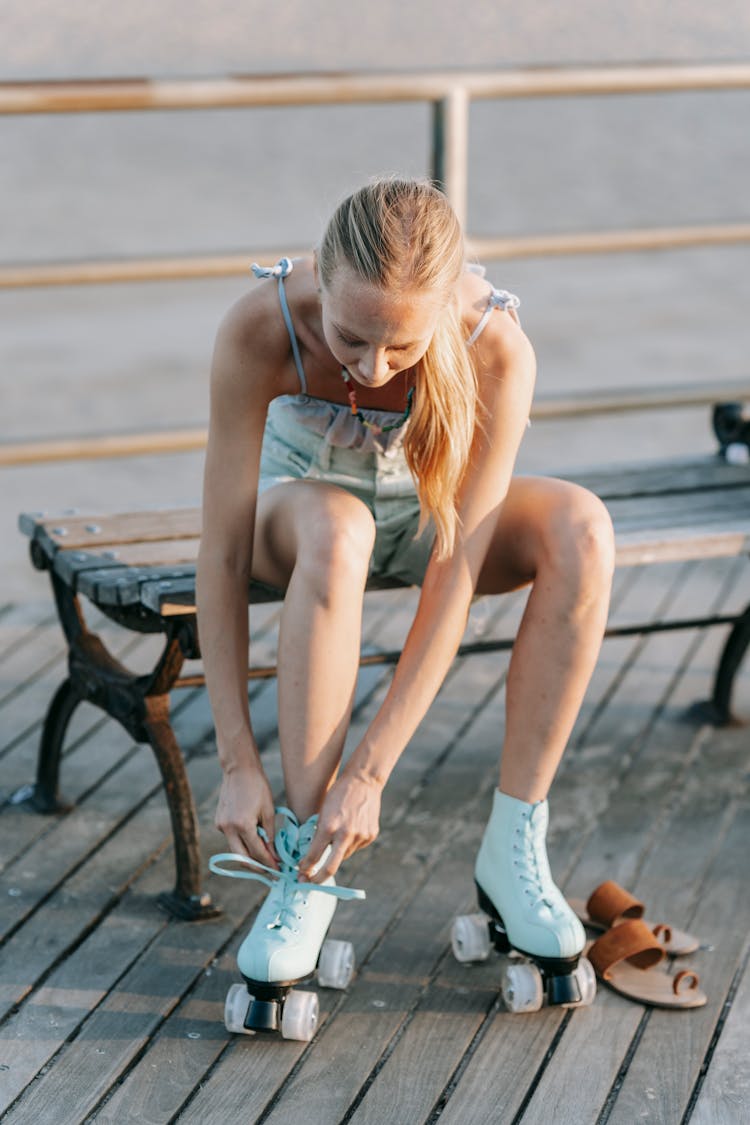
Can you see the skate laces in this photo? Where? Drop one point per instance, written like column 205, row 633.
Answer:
column 292, row 842
column 533, row 863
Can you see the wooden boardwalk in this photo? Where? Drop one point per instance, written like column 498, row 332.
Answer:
column 112, row 1012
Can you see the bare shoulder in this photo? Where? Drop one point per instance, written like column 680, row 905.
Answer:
column 251, row 344
column 252, row 354
column 502, row 347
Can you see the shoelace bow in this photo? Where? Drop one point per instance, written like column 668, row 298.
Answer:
column 292, row 841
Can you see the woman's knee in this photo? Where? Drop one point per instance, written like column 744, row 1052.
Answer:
column 579, row 539
column 335, row 543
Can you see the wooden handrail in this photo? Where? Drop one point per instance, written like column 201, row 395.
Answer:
column 47, row 274
column 96, row 95
column 545, row 408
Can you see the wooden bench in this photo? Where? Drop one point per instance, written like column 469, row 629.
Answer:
column 138, row 568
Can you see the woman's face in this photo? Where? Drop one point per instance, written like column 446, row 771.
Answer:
column 374, row 334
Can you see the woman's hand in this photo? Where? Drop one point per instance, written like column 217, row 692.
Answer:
column 349, row 820
column 246, row 804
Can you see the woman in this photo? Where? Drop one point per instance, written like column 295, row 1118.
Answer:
column 381, row 362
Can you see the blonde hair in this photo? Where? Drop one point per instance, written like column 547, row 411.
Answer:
column 403, row 234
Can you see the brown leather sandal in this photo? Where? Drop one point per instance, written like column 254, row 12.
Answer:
column 622, row 957
column 610, row 903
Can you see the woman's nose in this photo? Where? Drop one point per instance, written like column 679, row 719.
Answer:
column 373, row 363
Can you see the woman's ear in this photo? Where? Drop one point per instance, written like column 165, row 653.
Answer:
column 316, row 274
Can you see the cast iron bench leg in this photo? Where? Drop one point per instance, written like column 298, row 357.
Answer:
column 141, row 705
column 186, row 901
column 731, row 658
column 44, row 796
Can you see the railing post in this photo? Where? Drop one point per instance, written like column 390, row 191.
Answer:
column 450, row 148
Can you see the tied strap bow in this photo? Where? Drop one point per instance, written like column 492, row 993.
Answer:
column 282, row 269
column 498, row 299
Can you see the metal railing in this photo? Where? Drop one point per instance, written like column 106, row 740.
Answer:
column 449, row 93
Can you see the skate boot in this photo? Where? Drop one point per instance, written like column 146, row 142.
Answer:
column 287, row 939
column 524, row 914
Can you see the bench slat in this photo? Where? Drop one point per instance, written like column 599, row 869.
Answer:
column 101, row 531
column 121, row 586
column 689, row 474
column 675, row 545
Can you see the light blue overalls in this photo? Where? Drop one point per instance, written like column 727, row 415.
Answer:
column 308, row 438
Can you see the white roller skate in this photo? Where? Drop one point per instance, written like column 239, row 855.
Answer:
column 287, row 939
column 524, row 913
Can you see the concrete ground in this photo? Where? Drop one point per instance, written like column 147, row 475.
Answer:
column 82, row 361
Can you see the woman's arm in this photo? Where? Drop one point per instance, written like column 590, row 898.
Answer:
column 240, row 392
column 506, row 373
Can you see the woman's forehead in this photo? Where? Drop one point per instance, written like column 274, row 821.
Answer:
column 355, row 303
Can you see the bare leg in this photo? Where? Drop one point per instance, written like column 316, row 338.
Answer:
column 559, row 537
column 315, row 539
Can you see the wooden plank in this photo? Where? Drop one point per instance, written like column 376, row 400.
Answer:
column 724, row 1097
column 644, row 718
column 92, row 749
column 452, row 1008
column 672, row 475
column 707, row 542
column 41, row 1026
column 680, row 509
column 86, row 834
column 122, row 1023
column 702, row 858
column 164, row 553
column 121, row 586
column 20, row 626
column 99, row 531
column 23, row 705
column 95, row 899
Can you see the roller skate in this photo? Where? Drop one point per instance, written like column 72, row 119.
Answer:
column 287, row 939
column 524, row 914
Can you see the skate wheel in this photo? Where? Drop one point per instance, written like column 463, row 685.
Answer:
column 521, row 987
column 470, row 938
column 299, row 1018
column 235, row 1009
column 586, row 979
column 336, row 964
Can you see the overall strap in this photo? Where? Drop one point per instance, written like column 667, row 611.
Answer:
column 498, row 299
column 281, row 270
